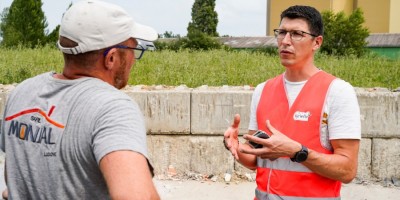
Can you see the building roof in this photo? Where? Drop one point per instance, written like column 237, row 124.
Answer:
column 383, row 40
column 374, row 40
column 249, row 42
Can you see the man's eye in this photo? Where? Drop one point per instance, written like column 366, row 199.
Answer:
column 282, row 32
column 297, row 33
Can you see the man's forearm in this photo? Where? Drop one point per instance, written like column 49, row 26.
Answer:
column 341, row 166
column 247, row 160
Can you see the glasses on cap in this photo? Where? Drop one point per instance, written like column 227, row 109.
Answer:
column 137, row 52
column 294, row 34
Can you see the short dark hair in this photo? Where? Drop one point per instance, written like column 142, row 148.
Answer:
column 84, row 60
column 310, row 14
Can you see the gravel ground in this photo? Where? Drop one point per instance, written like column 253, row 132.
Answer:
column 209, row 190
column 184, row 189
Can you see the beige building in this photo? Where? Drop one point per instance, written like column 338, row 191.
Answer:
column 381, row 16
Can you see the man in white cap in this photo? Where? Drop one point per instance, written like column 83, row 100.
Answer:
column 74, row 135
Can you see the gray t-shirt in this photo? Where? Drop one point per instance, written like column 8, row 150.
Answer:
column 55, row 132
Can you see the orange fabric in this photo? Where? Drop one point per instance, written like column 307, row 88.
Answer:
column 307, row 109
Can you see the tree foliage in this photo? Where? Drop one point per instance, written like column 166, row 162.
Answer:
column 200, row 40
column 203, row 26
column 3, row 16
column 344, row 35
column 204, row 18
column 169, row 34
column 24, row 23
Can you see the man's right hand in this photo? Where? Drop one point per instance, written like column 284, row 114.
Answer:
column 231, row 137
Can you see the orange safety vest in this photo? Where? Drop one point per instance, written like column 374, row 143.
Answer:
column 282, row 178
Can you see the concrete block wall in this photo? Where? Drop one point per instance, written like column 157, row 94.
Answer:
column 379, row 156
column 185, row 128
column 379, row 113
column 166, row 111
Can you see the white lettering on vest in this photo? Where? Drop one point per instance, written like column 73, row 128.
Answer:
column 301, row 116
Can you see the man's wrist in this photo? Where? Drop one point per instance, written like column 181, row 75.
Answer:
column 301, row 155
column 298, row 148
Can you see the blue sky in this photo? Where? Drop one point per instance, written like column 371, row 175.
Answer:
column 236, row 17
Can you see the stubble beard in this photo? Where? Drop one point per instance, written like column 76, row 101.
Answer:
column 119, row 80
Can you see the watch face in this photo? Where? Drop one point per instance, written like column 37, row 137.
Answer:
column 301, row 156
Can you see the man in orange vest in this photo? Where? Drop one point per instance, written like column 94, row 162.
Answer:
column 311, row 120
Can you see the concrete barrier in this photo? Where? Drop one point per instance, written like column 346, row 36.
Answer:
column 185, row 128
column 213, row 109
column 166, row 110
column 379, row 113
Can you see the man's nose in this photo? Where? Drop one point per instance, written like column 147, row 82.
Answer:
column 287, row 39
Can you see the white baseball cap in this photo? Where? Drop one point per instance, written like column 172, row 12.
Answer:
column 95, row 25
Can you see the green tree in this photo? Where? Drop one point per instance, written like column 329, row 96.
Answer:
column 169, row 34
column 3, row 16
column 204, row 18
column 52, row 38
column 24, row 24
column 200, row 40
column 344, row 35
column 203, row 26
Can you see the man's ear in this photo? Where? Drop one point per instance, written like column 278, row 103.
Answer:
column 318, row 42
column 110, row 58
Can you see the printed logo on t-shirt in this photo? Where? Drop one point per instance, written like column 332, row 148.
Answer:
column 33, row 125
column 301, row 116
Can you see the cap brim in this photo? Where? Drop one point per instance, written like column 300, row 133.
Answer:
column 144, row 32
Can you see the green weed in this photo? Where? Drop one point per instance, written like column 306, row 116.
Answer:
column 213, row 68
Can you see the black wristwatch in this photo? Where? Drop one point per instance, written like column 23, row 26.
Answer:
column 301, row 155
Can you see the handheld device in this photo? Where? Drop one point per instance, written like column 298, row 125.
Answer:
column 260, row 134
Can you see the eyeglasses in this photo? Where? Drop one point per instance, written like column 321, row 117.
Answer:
column 294, row 34
column 138, row 51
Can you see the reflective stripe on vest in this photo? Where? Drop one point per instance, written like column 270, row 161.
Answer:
column 282, row 164
column 265, row 196
column 283, row 178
